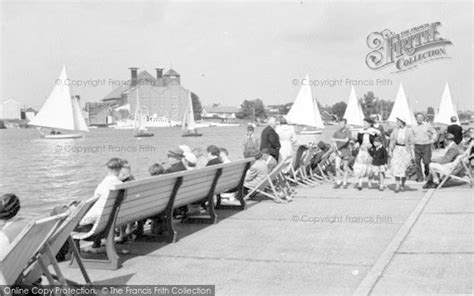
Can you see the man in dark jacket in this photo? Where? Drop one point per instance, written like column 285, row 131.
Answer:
column 176, row 157
column 270, row 139
column 213, row 154
column 456, row 130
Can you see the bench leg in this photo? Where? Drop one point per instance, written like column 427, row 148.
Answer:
column 112, row 261
column 164, row 231
column 212, row 219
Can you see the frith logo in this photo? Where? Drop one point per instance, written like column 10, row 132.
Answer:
column 408, row 49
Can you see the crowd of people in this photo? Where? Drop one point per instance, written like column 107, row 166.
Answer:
column 373, row 154
column 368, row 156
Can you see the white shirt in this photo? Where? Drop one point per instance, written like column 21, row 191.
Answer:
column 101, row 192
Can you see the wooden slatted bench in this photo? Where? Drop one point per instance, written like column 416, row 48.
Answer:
column 158, row 196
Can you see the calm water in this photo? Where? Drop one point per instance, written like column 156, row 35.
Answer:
column 45, row 173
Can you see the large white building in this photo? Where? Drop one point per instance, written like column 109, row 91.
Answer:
column 219, row 112
column 10, row 109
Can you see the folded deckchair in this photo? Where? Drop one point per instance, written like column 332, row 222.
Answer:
column 299, row 172
column 324, row 164
column 25, row 247
column 60, row 236
column 461, row 161
column 305, row 169
column 268, row 182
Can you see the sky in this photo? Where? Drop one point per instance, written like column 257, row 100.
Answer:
column 230, row 51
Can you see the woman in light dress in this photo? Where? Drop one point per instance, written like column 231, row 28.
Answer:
column 401, row 151
column 287, row 136
column 363, row 161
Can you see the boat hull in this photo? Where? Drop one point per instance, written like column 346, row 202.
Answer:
column 191, row 135
column 63, row 136
column 142, row 135
column 315, row 132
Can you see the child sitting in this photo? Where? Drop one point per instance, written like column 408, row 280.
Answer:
column 379, row 160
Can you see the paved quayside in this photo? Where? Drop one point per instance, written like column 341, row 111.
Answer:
column 326, row 241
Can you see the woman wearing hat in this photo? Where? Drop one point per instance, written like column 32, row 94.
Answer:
column 363, row 161
column 401, row 151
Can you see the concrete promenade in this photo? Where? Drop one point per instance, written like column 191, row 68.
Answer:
column 327, row 241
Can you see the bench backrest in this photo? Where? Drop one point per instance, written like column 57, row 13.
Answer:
column 25, row 245
column 145, row 198
column 150, row 196
column 232, row 175
column 103, row 220
column 197, row 183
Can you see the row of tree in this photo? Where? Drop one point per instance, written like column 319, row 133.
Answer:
column 255, row 109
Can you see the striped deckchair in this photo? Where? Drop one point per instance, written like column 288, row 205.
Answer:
column 269, row 182
column 460, row 162
column 25, row 248
column 60, row 236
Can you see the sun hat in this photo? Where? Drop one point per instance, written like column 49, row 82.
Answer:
column 402, row 119
column 185, row 148
column 178, row 153
column 190, row 157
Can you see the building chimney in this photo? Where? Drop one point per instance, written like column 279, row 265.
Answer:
column 134, row 76
column 159, row 73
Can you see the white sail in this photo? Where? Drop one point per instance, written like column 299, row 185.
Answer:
column 354, row 114
column 60, row 111
column 188, row 119
column 446, row 108
column 401, row 108
column 79, row 121
column 139, row 123
column 305, row 109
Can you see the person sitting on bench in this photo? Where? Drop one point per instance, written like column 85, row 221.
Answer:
column 213, row 155
column 443, row 164
column 112, row 171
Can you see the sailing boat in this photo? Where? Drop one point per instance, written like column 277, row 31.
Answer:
column 446, row 108
column 305, row 111
column 401, row 108
column 60, row 112
column 140, row 130
column 188, row 129
column 353, row 113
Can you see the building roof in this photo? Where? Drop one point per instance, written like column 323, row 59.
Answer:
column 116, row 93
column 171, row 72
column 143, row 77
column 221, row 109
